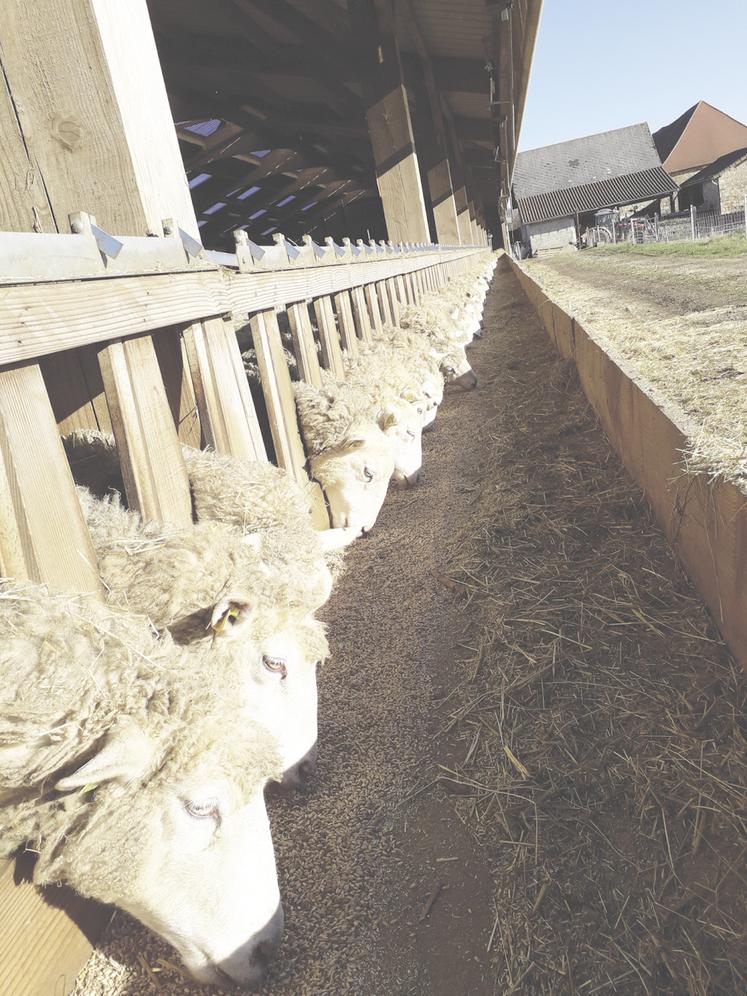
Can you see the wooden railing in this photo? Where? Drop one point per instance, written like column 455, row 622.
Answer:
column 137, row 336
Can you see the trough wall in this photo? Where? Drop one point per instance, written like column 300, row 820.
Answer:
column 704, row 520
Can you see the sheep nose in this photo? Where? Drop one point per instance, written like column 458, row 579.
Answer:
column 299, row 775
column 412, row 479
column 366, row 530
column 467, row 380
column 264, row 950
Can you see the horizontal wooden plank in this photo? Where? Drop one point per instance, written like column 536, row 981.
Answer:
column 41, row 318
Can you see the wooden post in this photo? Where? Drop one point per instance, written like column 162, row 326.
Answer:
column 391, row 294
column 389, row 124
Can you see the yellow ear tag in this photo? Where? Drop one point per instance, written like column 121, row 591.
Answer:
column 229, row 616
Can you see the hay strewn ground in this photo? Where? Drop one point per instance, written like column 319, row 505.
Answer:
column 682, row 323
column 531, row 777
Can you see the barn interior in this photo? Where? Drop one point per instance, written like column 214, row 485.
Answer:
column 278, row 126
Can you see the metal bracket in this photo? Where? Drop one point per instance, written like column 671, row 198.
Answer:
column 192, row 247
column 85, row 224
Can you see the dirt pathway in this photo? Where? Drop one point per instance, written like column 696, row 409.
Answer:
column 395, row 870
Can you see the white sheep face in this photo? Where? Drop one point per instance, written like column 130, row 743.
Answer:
column 183, row 847
column 403, row 426
column 355, row 476
column 279, row 676
column 457, row 370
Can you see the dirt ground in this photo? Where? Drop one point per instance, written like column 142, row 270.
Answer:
column 682, row 322
column 529, row 743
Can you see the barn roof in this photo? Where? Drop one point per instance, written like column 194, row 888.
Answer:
column 698, row 137
column 717, row 167
column 613, row 167
column 267, row 98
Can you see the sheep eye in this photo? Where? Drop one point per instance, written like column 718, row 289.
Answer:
column 412, row 434
column 203, row 810
column 276, row 666
column 368, row 474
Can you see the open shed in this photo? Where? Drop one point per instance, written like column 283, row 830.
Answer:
column 366, row 119
column 288, row 122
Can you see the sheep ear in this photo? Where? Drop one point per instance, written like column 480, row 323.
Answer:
column 126, row 756
column 230, row 615
column 386, row 420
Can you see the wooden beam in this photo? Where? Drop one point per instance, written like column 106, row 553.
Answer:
column 389, row 124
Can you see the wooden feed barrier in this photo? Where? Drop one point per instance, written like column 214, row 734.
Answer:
column 134, row 333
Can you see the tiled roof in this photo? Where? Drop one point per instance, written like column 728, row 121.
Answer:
column 585, row 160
column 642, row 185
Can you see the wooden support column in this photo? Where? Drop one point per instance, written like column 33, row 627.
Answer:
column 389, row 124
column 77, row 109
column 431, row 135
column 382, row 295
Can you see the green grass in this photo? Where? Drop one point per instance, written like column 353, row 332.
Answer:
column 726, row 245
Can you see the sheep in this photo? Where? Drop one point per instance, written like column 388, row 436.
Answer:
column 403, row 367
column 132, row 776
column 211, row 591
column 350, row 455
column 260, row 500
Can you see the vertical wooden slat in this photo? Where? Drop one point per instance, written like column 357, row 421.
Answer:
column 347, row 324
column 361, row 316
column 331, row 351
column 382, row 293
column 278, row 393
column 372, row 299
column 277, row 389
column 393, row 298
column 223, row 399
column 153, row 470
column 42, row 533
column 177, row 381
column 304, row 345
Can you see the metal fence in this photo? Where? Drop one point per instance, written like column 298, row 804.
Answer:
column 685, row 226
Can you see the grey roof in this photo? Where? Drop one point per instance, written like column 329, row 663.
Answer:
column 613, row 167
column 716, row 168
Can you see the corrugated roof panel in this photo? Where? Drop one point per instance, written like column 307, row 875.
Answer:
column 640, row 186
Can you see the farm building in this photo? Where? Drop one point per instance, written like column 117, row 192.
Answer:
column 558, row 189
column 720, row 187
column 695, row 140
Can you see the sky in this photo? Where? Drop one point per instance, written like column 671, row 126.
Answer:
column 602, row 64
